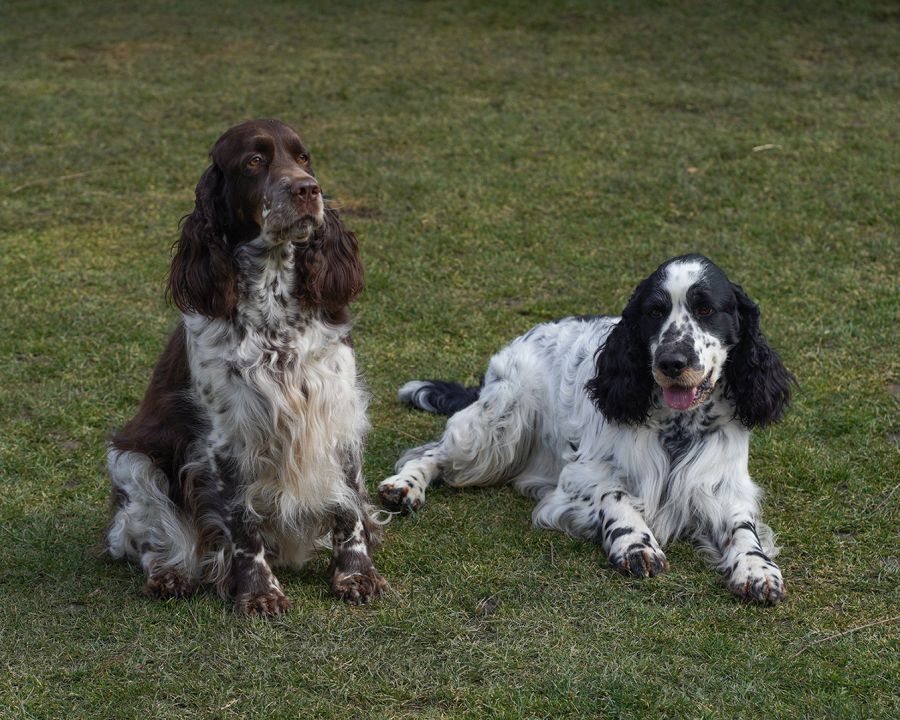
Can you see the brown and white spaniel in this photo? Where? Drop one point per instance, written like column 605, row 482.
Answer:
column 245, row 453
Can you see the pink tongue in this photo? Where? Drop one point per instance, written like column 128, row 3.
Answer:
column 678, row 398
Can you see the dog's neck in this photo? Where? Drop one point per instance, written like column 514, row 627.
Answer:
column 266, row 283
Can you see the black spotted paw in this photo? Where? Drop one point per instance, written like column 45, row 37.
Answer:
column 640, row 559
column 399, row 494
column 755, row 578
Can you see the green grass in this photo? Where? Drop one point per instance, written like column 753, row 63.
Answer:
column 501, row 166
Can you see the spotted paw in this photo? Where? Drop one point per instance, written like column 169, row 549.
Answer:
column 359, row 588
column 640, row 559
column 168, row 583
column 399, row 494
column 262, row 604
column 755, row 578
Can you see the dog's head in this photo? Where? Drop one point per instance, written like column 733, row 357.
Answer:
column 687, row 329
column 260, row 186
column 268, row 181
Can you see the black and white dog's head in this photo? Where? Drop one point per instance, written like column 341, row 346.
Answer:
column 687, row 329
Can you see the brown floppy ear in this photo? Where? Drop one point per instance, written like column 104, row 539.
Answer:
column 203, row 274
column 329, row 271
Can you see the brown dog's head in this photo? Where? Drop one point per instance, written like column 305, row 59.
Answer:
column 269, row 183
column 260, row 184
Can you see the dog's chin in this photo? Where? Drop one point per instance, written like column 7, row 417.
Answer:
column 684, row 398
column 299, row 230
column 303, row 230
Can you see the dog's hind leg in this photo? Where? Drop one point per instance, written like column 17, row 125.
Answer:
column 147, row 528
column 486, row 443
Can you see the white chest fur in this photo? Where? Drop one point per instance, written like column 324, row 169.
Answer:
column 281, row 393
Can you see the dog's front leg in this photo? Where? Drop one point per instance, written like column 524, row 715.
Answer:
column 740, row 545
column 629, row 543
column 235, row 543
column 353, row 574
column 354, row 535
column 749, row 572
column 253, row 586
column 590, row 502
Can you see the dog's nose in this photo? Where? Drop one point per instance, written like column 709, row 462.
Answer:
column 305, row 189
column 672, row 364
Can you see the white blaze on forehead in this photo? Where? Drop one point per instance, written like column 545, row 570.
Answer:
column 709, row 353
column 679, row 278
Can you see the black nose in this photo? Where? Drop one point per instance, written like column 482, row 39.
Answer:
column 672, row 364
column 305, row 189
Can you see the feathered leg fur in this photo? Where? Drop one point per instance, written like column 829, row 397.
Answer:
column 354, row 536
column 741, row 547
column 485, row 443
column 590, row 502
column 149, row 529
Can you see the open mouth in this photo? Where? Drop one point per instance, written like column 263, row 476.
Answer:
column 678, row 397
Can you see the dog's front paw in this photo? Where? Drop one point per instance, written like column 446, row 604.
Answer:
column 642, row 558
column 262, row 604
column 400, row 494
column 168, row 583
column 754, row 577
column 359, row 588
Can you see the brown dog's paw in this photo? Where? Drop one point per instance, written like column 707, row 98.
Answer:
column 262, row 604
column 359, row 588
column 168, row 583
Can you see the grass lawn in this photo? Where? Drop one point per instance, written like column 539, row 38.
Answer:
column 501, row 166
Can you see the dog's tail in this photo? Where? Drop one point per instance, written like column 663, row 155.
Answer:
column 438, row 396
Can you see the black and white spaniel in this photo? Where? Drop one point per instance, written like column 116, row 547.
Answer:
column 630, row 431
column 246, row 451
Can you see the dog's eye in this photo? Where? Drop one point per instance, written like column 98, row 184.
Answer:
column 255, row 161
column 703, row 311
column 303, row 158
column 656, row 313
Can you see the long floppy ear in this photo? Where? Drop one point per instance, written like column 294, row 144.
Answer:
column 203, row 274
column 757, row 381
column 622, row 388
column 329, row 271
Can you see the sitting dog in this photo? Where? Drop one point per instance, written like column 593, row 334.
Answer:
column 246, row 451
column 630, row 431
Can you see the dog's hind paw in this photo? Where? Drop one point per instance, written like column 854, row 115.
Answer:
column 168, row 583
column 399, row 494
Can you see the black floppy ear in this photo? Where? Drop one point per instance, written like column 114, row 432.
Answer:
column 757, row 381
column 622, row 388
column 203, row 275
column 329, row 270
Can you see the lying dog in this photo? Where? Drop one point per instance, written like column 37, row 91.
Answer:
column 246, row 451
column 630, row 431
